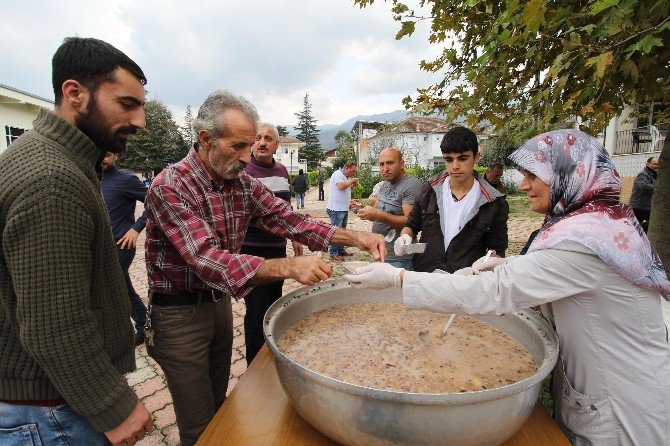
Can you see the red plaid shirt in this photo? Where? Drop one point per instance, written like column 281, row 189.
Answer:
column 195, row 229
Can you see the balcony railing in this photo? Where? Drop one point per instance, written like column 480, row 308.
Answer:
column 638, row 140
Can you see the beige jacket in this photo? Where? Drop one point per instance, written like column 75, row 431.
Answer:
column 612, row 381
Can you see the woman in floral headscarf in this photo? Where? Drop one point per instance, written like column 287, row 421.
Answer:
column 598, row 279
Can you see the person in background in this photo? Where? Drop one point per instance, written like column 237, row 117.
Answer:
column 321, row 177
column 597, row 279
column 300, row 186
column 198, row 212
column 261, row 243
column 394, row 200
column 459, row 215
column 65, row 331
column 339, row 199
column 493, row 176
column 643, row 191
column 121, row 190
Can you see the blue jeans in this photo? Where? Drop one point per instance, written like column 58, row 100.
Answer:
column 300, row 199
column 339, row 219
column 37, row 425
column 406, row 264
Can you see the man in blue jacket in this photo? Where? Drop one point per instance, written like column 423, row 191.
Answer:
column 121, row 190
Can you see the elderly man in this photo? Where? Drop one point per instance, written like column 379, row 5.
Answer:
column 643, row 191
column 198, row 211
column 393, row 202
column 65, row 333
column 262, row 243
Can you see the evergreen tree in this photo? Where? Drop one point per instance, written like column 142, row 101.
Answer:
column 158, row 145
column 309, row 134
column 187, row 130
column 281, row 129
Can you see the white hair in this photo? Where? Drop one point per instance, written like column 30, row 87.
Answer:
column 210, row 115
column 267, row 125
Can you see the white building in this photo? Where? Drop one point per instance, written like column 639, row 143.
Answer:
column 631, row 140
column 418, row 138
column 287, row 154
column 18, row 110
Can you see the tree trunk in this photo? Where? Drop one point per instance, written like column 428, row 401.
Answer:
column 659, row 221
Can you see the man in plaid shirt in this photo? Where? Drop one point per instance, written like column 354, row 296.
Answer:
column 198, row 212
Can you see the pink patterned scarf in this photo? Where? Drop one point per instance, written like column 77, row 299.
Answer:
column 585, row 207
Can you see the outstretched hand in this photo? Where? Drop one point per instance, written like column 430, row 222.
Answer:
column 376, row 276
column 487, row 264
column 310, row 270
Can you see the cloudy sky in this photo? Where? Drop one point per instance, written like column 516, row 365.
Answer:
column 270, row 51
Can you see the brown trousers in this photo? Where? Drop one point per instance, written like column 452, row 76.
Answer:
column 193, row 345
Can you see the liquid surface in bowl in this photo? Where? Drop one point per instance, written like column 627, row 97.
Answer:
column 385, row 346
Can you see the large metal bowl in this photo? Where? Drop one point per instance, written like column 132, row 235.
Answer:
column 357, row 415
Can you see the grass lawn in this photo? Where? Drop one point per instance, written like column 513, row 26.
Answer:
column 518, row 207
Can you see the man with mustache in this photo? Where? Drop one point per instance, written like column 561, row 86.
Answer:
column 261, row 243
column 66, row 337
column 198, row 211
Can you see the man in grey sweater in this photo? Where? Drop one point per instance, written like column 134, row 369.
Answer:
column 65, row 333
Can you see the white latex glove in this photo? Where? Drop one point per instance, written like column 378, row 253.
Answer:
column 400, row 243
column 488, row 264
column 375, row 276
column 467, row 271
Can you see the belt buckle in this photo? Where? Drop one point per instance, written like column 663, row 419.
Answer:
column 214, row 298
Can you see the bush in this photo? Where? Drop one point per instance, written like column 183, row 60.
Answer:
column 423, row 173
column 366, row 181
column 313, row 177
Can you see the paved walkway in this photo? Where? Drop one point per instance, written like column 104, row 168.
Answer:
column 148, row 380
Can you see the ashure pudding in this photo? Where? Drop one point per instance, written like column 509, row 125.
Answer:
column 385, row 346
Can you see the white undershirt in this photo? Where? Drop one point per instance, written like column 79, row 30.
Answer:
column 454, row 211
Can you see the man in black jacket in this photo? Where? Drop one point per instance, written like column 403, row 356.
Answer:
column 459, row 215
column 643, row 190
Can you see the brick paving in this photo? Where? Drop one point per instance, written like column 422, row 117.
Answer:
column 148, row 380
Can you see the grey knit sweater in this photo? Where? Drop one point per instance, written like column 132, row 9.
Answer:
column 65, row 327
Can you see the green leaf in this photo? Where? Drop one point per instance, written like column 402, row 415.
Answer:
column 407, row 29
column 399, row 8
column 630, row 69
column 533, row 15
column 556, row 66
column 644, row 45
column 601, row 5
column 602, row 62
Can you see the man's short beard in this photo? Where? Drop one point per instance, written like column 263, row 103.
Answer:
column 94, row 125
column 216, row 161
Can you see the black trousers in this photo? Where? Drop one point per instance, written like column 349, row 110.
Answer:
column 259, row 300
column 321, row 194
column 642, row 216
column 137, row 307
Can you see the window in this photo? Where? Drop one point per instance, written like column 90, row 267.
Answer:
column 11, row 133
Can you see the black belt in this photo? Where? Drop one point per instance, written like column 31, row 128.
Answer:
column 189, row 298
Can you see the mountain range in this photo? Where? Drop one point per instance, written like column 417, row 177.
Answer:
column 328, row 131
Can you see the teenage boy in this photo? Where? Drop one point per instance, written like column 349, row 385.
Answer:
column 459, row 215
